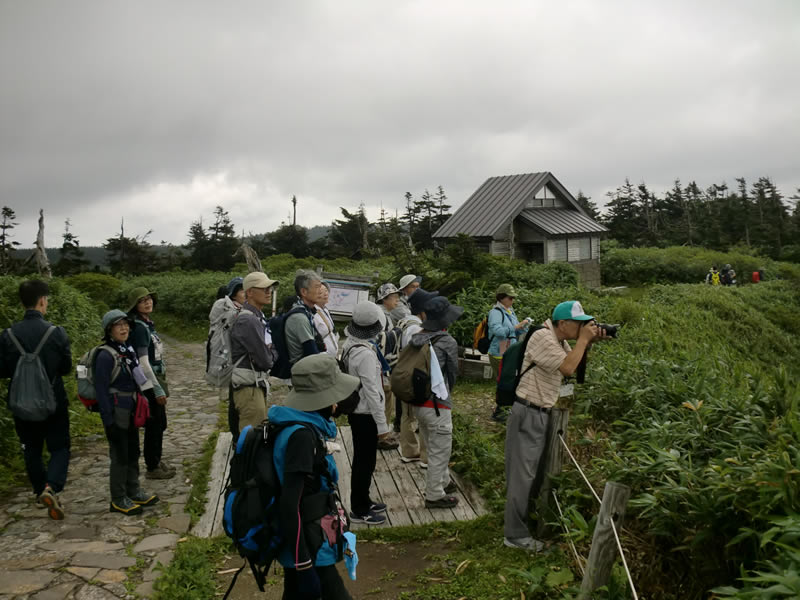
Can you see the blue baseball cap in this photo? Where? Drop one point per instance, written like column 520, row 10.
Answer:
column 570, row 310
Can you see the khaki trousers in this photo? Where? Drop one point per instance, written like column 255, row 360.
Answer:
column 411, row 445
column 251, row 405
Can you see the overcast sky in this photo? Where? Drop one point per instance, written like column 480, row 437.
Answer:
column 159, row 111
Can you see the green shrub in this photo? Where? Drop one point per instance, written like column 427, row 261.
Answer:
column 682, row 264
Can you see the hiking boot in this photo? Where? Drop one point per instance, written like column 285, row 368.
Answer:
column 388, row 443
column 162, row 471
column 49, row 499
column 443, row 502
column 371, row 518
column 500, row 415
column 377, row 507
column 409, row 459
column 526, row 543
column 126, row 506
column 451, row 488
column 143, row 498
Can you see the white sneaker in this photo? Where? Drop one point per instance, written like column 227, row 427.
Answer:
column 526, row 543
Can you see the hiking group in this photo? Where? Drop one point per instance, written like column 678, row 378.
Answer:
column 391, row 378
column 123, row 379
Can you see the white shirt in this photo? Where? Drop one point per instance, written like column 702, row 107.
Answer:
column 323, row 322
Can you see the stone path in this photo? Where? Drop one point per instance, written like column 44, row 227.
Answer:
column 93, row 554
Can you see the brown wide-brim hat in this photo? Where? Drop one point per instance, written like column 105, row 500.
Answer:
column 137, row 294
column 318, row 383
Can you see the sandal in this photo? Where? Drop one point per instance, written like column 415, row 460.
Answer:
column 444, row 502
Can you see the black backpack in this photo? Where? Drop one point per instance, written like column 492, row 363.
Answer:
column 251, row 516
column 282, row 369
column 511, row 369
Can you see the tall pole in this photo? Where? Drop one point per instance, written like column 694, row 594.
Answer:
column 294, row 211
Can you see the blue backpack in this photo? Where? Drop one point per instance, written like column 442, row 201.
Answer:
column 251, row 516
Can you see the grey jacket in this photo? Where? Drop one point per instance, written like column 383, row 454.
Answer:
column 247, row 340
column 362, row 362
column 402, row 310
column 446, row 349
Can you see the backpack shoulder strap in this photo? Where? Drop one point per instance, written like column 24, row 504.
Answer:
column 16, row 342
column 528, row 335
column 42, row 342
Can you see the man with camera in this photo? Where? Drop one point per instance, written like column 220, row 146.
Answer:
column 548, row 359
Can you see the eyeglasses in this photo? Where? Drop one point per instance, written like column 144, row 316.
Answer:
column 263, row 289
column 145, row 299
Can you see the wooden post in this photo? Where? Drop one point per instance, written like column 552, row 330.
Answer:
column 604, row 547
column 559, row 417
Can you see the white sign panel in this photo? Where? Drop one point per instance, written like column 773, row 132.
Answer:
column 343, row 300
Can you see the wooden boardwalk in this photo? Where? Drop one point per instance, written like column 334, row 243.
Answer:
column 401, row 487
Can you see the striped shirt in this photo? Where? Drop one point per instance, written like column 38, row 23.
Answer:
column 542, row 384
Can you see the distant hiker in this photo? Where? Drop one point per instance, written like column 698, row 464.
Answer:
column 313, row 539
column 362, row 359
column 387, row 297
column 412, row 447
column 323, row 321
column 252, row 355
column 219, row 362
column 118, row 379
column 537, row 392
column 54, row 355
column 713, row 276
column 150, row 349
column 728, row 275
column 435, row 415
column 302, row 338
column 408, row 284
column 504, row 329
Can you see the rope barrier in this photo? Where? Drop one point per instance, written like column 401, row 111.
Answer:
column 575, row 462
column 613, row 525
column 624, row 562
column 578, row 558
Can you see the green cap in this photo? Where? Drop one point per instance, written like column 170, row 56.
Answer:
column 137, row 294
column 570, row 311
column 114, row 316
column 507, row 289
column 317, row 382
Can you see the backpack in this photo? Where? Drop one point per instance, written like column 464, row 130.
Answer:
column 389, row 345
column 480, row 337
column 31, row 396
column 402, row 325
column 84, row 373
column 411, row 376
column 511, row 370
column 218, row 347
column 251, row 516
column 282, row 369
column 715, row 279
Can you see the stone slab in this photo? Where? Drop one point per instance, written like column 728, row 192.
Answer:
column 58, row 592
column 92, row 546
column 83, row 572
column 79, row 533
column 91, row 592
column 145, row 589
column 32, row 562
column 110, row 576
column 156, row 542
column 104, row 561
column 25, row 582
column 163, row 558
column 178, row 523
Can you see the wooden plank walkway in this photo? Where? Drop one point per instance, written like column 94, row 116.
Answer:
column 401, row 487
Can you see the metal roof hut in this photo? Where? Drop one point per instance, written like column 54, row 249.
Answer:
column 530, row 217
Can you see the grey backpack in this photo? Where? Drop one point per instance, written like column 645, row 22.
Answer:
column 31, row 396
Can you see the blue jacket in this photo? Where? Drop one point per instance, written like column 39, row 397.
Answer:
column 326, row 554
column 502, row 323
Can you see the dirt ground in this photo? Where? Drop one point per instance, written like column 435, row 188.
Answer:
column 385, row 570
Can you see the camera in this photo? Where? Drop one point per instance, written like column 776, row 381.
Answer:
column 610, row 330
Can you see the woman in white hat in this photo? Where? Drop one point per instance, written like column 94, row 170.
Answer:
column 368, row 424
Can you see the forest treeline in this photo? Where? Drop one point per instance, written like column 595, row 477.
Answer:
column 756, row 216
